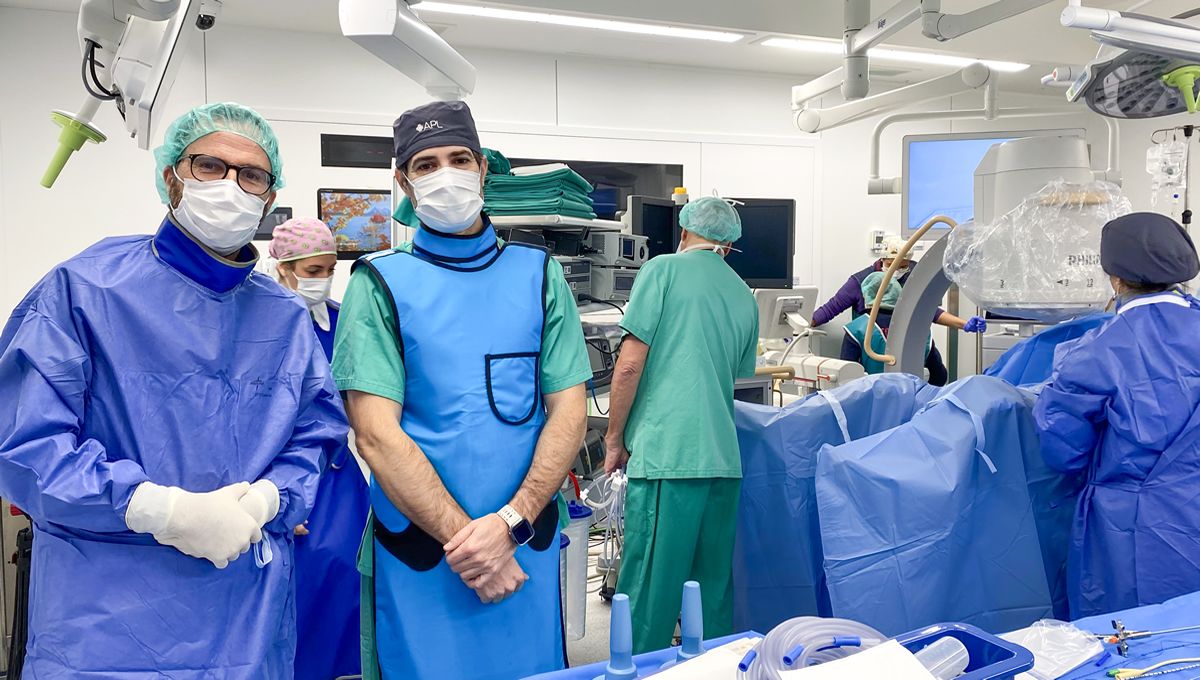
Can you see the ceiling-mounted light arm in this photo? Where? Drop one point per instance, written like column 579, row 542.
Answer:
column 1062, row 76
column 390, row 30
column 1133, row 31
column 885, row 26
column 802, row 94
column 973, row 77
column 1096, row 19
column 862, row 33
column 943, row 27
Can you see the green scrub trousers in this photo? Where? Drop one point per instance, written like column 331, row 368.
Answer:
column 678, row 530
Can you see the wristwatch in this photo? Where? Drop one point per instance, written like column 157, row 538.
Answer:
column 519, row 528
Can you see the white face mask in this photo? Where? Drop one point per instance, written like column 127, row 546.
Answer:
column 314, row 291
column 448, row 200
column 219, row 214
column 715, row 247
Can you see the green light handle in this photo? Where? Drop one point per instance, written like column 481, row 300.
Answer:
column 74, row 135
column 1184, row 80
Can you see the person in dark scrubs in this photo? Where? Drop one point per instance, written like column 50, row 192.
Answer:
column 850, row 296
column 327, row 581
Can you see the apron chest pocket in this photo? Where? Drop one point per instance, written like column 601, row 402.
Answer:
column 513, row 385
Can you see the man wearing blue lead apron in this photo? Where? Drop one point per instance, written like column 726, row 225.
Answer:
column 463, row 362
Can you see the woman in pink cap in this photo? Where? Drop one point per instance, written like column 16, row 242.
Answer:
column 306, row 255
column 327, row 581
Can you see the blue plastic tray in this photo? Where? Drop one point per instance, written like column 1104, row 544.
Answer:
column 991, row 657
column 647, row 663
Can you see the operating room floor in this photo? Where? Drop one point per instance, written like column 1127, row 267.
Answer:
column 594, row 645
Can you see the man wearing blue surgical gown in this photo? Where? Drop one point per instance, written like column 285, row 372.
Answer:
column 168, row 413
column 1122, row 408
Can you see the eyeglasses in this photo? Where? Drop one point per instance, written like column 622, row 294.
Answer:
column 252, row 180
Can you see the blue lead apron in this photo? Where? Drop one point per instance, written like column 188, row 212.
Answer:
column 470, row 317
column 856, row 330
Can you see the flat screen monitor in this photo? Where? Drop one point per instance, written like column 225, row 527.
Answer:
column 360, row 219
column 266, row 227
column 939, row 175
column 768, row 242
column 775, row 305
column 658, row 220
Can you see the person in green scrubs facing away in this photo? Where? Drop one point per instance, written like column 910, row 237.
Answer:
column 691, row 330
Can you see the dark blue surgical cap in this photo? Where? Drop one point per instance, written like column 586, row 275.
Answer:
column 1148, row 249
column 433, row 125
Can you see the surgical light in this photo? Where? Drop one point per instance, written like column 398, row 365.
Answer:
column 579, row 22
column 832, row 47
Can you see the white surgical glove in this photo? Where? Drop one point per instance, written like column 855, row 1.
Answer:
column 261, row 501
column 212, row 526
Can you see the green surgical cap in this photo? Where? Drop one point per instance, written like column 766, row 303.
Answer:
column 210, row 118
column 870, row 288
column 711, row 218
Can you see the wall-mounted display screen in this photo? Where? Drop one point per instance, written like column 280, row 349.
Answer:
column 360, row 219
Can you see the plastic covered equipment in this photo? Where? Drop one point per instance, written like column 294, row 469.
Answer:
column 1040, row 260
column 777, row 513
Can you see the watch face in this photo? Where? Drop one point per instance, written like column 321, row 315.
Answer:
column 523, row 532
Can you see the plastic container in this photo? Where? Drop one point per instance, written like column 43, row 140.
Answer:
column 563, row 542
column 680, row 196
column 575, row 588
column 990, row 657
column 945, row 659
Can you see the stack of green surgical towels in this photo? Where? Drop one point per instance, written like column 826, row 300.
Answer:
column 553, row 189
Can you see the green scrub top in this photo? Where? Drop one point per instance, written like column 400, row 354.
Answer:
column 366, row 354
column 701, row 323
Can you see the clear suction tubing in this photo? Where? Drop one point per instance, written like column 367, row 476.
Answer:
column 807, row 641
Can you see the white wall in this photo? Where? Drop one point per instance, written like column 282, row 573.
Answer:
column 730, row 131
